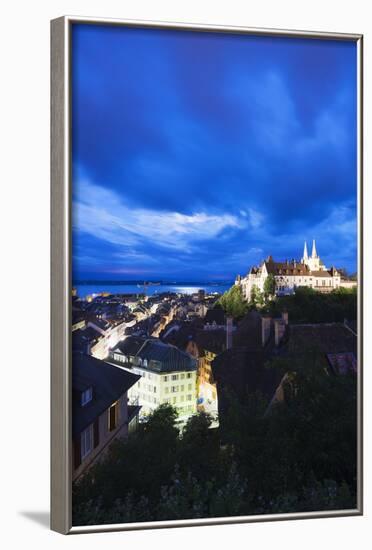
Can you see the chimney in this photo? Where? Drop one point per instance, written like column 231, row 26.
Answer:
column 229, row 331
column 285, row 317
column 265, row 329
column 279, row 331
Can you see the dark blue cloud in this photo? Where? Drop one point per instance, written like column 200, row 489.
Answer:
column 198, row 154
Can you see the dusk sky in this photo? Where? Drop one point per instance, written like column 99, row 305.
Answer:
column 196, row 155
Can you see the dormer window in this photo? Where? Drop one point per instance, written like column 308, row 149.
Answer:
column 86, row 396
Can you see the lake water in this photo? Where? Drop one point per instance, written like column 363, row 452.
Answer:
column 84, row 290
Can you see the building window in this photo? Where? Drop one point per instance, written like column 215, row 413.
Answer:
column 174, row 389
column 182, row 376
column 86, row 396
column 113, row 417
column 86, row 441
column 166, row 390
column 189, row 375
column 174, row 376
column 189, row 397
column 165, row 378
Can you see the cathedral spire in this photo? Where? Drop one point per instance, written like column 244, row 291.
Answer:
column 313, row 253
column 305, row 255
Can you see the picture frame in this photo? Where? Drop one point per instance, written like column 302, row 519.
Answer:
column 61, row 270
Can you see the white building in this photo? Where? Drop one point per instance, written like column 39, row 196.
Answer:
column 289, row 275
column 168, row 375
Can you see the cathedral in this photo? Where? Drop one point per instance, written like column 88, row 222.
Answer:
column 289, row 275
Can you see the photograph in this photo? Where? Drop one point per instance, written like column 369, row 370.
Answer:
column 215, row 285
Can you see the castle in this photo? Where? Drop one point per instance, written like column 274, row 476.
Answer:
column 289, row 275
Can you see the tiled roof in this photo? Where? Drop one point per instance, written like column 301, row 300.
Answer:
column 160, row 356
column 163, row 357
column 130, row 346
column 82, row 338
column 342, row 363
column 215, row 315
column 286, row 268
column 322, row 337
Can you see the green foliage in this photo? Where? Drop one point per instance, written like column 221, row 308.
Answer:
column 309, row 306
column 257, row 298
column 233, row 302
column 269, row 286
column 295, row 456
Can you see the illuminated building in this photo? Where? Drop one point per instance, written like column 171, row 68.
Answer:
column 290, row 275
column 168, row 375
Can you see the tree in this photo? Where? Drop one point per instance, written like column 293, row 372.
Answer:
column 309, row 306
column 269, row 286
column 256, row 298
column 233, row 302
column 298, row 455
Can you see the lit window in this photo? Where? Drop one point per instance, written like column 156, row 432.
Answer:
column 113, row 417
column 86, row 396
column 86, row 441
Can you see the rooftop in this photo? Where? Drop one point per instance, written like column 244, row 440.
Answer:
column 321, row 337
column 108, row 383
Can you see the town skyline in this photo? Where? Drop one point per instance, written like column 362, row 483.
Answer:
column 290, row 258
column 244, row 150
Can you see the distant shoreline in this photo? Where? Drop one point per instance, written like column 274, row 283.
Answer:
column 88, row 288
column 151, row 282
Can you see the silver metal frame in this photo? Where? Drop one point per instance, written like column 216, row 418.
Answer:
column 61, row 481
